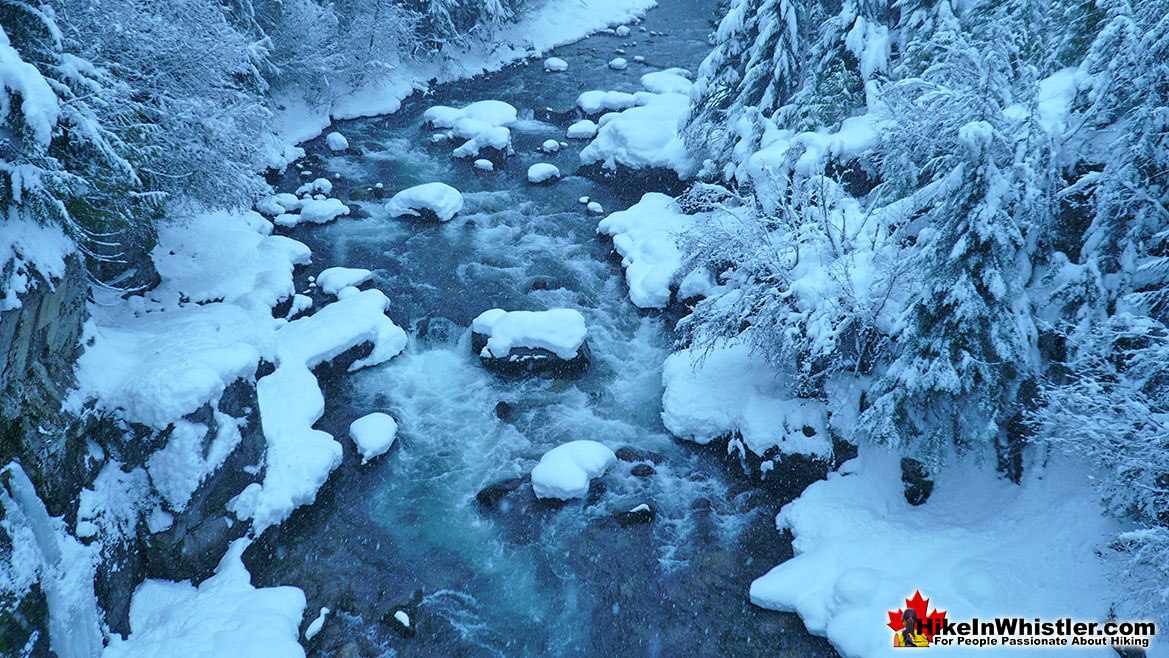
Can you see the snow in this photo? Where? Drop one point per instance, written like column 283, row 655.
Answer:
column 317, row 624
column 565, row 471
column 550, row 146
column 441, row 199
column 38, row 104
column 643, row 136
column 314, row 211
column 856, row 135
column 333, row 279
column 669, row 81
column 583, row 129
column 498, row 138
column 618, row 64
column 595, row 102
column 402, row 617
column 373, row 434
column 622, row 31
column 224, row 617
column 278, row 204
column 484, row 165
column 482, row 124
column 542, row 172
column 561, row 331
column 28, row 251
column 318, row 186
column 709, row 395
column 555, row 64
column 980, row 547
column 336, row 142
column 180, row 467
column 594, row 208
column 646, row 236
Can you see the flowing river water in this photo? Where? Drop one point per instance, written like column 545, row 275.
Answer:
column 523, row 578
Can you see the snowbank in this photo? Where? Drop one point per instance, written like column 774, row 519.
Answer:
column 373, row 434
column 728, row 390
column 565, row 471
column 646, row 236
column 561, row 331
column 542, row 172
column 643, row 136
column 438, row 198
column 979, row 547
column 224, row 617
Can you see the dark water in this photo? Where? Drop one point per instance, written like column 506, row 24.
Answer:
column 528, row 578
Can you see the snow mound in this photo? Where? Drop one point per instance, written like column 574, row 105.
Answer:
column 713, row 394
column 561, row 331
column 333, row 279
column 314, row 211
column 373, row 434
column 646, row 236
column 542, row 172
column 669, row 81
column 618, row 64
column 336, row 142
column 550, row 146
column 565, row 471
column 439, row 198
column 482, row 124
column 484, row 165
column 278, row 204
column 555, row 64
column 224, row 617
column 644, row 136
column 980, row 547
column 622, row 31
column 595, row 102
column 498, row 138
column 318, row 186
column 583, row 129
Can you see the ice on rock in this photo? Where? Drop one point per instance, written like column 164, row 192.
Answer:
column 618, row 64
column 728, row 390
column 373, row 434
column 555, row 64
column 542, row 172
column 332, row 280
column 646, row 235
column 583, row 129
column 669, row 81
column 550, row 146
column 440, row 199
column 336, row 142
column 484, row 165
column 224, row 617
column 565, row 471
column 561, row 331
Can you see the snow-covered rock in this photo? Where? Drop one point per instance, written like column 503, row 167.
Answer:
column 542, row 172
column 484, row 165
column 594, row 208
column 314, row 211
column 550, row 146
column 618, row 64
column 497, row 138
column 583, row 129
column 669, row 81
column 622, row 31
column 333, row 279
column 595, row 102
column 728, row 392
column 318, row 186
column 336, row 142
column 555, row 64
column 553, row 339
column 438, row 199
column 646, row 235
column 482, row 124
column 565, row 471
column 646, row 136
column 278, row 204
column 373, row 434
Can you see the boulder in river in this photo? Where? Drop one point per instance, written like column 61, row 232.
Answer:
column 539, row 342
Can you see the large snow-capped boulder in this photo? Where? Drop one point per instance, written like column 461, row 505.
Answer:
column 641, row 137
column 550, row 341
column 565, row 471
column 483, row 124
column 437, row 200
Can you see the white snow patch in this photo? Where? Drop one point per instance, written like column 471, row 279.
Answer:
column 441, row 199
column 333, row 279
column 550, row 146
column 565, row 471
column 28, row 251
column 373, row 434
column 669, row 81
column 644, row 136
column 336, row 142
column 484, row 165
column 317, row 624
column 618, row 64
column 542, row 172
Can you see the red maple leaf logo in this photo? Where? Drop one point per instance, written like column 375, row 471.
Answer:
column 929, row 623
